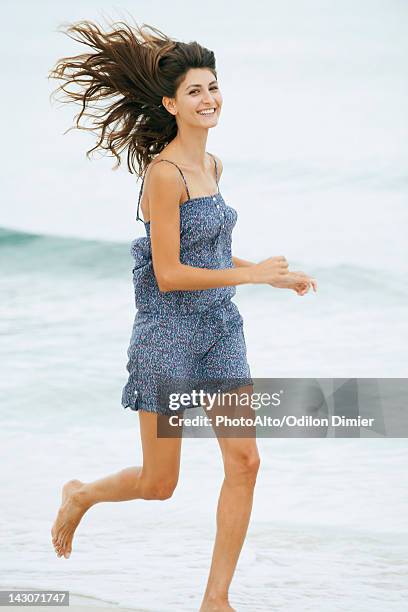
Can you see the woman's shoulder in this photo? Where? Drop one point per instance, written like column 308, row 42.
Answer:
column 163, row 174
column 169, row 169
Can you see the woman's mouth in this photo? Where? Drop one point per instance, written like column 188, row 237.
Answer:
column 207, row 112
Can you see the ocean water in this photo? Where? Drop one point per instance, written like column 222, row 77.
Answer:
column 316, row 169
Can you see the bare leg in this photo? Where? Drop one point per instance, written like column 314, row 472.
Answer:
column 241, row 464
column 156, row 479
column 78, row 497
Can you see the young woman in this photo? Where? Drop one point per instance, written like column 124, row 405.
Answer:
column 157, row 99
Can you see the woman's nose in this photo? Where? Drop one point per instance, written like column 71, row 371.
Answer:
column 209, row 98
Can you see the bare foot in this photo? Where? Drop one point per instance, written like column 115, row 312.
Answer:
column 69, row 515
column 214, row 605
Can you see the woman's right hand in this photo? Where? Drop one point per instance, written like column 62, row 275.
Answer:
column 269, row 271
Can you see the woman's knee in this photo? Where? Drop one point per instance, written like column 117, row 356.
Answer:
column 242, row 464
column 162, row 488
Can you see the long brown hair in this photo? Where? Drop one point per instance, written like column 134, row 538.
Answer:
column 123, row 81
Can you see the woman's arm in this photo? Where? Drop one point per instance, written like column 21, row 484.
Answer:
column 188, row 278
column 212, row 278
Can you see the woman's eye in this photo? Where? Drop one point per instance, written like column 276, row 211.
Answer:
column 195, row 90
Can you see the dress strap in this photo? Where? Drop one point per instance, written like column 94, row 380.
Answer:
column 216, row 170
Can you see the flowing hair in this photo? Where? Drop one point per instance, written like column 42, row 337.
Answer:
column 120, row 85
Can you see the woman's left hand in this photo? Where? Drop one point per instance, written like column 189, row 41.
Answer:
column 299, row 282
column 302, row 287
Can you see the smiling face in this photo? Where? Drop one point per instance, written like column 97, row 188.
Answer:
column 198, row 92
